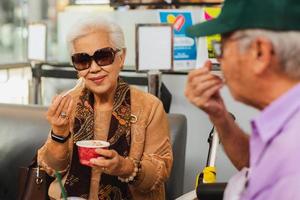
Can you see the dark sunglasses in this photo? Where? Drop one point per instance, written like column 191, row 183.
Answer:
column 102, row 57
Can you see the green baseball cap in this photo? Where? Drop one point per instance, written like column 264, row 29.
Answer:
column 277, row 15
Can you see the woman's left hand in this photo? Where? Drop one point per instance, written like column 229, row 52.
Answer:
column 110, row 162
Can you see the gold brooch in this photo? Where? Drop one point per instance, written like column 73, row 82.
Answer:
column 133, row 119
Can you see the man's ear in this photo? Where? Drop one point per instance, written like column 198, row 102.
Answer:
column 263, row 54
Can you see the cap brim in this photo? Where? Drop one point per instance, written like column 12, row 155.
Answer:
column 208, row 28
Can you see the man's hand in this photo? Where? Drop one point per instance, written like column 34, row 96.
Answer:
column 202, row 90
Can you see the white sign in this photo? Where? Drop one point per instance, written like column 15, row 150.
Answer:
column 154, row 47
column 37, row 40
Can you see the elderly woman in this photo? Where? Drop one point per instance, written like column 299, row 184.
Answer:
column 103, row 107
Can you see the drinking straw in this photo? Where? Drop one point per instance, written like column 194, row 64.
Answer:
column 63, row 191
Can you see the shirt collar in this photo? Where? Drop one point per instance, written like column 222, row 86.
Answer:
column 272, row 119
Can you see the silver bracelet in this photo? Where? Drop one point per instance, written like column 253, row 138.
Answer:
column 134, row 173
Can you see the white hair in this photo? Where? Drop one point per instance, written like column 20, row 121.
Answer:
column 286, row 45
column 94, row 24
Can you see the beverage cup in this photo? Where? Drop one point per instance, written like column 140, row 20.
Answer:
column 87, row 150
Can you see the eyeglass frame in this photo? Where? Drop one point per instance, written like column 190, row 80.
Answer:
column 218, row 45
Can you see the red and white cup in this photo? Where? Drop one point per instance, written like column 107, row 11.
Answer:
column 87, row 150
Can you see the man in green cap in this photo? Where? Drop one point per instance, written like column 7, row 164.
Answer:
column 260, row 60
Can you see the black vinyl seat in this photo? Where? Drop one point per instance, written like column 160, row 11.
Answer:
column 24, row 129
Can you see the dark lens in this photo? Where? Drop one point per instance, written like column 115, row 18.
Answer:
column 105, row 56
column 81, row 61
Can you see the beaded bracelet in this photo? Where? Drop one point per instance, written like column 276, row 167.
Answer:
column 134, row 173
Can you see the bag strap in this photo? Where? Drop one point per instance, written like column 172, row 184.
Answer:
column 33, row 162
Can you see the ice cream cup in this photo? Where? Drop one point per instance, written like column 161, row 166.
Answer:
column 87, row 150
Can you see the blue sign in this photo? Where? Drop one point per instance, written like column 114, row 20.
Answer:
column 185, row 50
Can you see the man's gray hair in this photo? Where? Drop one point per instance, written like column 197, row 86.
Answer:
column 94, row 24
column 286, row 46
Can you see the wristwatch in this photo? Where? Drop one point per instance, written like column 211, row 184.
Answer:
column 58, row 138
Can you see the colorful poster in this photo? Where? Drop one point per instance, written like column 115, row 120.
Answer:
column 185, row 52
column 209, row 14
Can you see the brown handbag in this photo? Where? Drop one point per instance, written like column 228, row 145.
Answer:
column 33, row 182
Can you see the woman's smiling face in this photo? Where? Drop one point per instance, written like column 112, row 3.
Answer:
column 99, row 80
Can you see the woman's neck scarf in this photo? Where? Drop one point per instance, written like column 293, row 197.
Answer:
column 119, row 137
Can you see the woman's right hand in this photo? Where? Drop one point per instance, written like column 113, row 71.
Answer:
column 202, row 90
column 58, row 114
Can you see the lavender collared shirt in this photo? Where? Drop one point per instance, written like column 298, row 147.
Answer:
column 275, row 151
